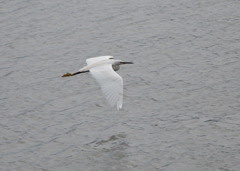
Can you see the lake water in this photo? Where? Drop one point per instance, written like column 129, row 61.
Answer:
column 181, row 106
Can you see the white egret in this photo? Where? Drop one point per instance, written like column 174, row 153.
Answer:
column 102, row 69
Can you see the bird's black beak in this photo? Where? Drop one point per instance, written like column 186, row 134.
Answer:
column 126, row 62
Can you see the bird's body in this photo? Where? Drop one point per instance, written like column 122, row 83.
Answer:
column 93, row 64
column 102, row 69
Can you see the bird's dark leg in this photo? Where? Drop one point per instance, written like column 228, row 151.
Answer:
column 69, row 74
column 79, row 72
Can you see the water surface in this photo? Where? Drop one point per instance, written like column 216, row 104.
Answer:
column 181, row 97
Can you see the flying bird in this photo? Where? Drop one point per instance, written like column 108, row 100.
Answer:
column 103, row 70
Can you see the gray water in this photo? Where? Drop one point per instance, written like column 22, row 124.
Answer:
column 181, row 107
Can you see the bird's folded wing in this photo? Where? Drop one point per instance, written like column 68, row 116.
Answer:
column 110, row 82
column 97, row 59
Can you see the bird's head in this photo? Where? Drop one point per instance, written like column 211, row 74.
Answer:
column 117, row 63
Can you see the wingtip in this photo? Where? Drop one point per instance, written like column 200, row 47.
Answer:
column 119, row 107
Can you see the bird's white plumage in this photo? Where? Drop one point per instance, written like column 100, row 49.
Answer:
column 103, row 70
column 110, row 82
column 97, row 59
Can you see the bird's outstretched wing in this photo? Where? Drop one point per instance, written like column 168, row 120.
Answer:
column 97, row 59
column 111, row 84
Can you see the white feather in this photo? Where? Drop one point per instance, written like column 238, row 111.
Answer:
column 97, row 59
column 110, row 82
